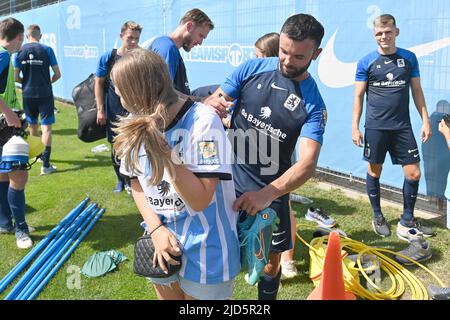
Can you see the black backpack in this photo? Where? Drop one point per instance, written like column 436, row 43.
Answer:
column 83, row 96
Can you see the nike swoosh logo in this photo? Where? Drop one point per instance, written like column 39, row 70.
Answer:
column 274, row 243
column 337, row 74
column 416, row 155
column 276, row 87
column 278, row 233
column 387, row 62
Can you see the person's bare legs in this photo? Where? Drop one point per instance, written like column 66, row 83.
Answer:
column 171, row 291
column 34, row 130
column 46, row 135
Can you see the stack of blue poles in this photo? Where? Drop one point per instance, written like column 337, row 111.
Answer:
column 56, row 248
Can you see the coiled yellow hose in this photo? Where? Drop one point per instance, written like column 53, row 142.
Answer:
column 399, row 275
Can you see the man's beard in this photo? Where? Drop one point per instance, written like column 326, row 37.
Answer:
column 294, row 73
column 187, row 44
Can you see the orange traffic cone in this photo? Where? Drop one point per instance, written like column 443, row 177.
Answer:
column 331, row 285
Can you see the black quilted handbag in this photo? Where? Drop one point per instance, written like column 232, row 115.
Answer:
column 143, row 260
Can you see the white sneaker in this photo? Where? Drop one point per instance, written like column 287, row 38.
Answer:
column 23, row 240
column 288, row 269
column 408, row 234
column 49, row 170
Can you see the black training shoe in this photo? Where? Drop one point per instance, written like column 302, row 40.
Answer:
column 380, row 226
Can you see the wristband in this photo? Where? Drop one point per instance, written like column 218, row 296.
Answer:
column 150, row 234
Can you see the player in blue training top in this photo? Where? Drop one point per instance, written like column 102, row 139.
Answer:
column 109, row 107
column 385, row 76
column 13, row 177
column 179, row 153
column 193, row 29
column 34, row 61
column 277, row 101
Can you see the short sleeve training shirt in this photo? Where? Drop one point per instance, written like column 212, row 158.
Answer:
column 388, row 82
column 271, row 112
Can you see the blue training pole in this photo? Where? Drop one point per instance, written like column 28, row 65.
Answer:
column 46, row 254
column 42, row 272
column 27, row 259
column 63, row 232
column 65, row 257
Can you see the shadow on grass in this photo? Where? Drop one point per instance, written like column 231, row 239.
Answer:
column 115, row 232
column 110, row 232
column 90, row 162
column 65, row 132
column 330, row 207
column 29, row 209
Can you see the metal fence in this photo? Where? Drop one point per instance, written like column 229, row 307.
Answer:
column 8, row 7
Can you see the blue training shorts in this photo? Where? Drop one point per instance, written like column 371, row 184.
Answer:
column 44, row 107
column 400, row 144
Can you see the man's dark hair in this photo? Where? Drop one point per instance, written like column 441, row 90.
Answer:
column 10, row 28
column 303, row 26
column 34, row 31
column 198, row 17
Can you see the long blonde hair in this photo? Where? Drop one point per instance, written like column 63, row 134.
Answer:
column 143, row 81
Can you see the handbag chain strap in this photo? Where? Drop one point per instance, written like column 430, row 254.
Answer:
column 174, row 214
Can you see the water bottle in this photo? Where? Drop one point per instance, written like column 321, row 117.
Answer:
column 99, row 148
column 300, row 199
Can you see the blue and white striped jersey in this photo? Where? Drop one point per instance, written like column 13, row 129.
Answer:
column 209, row 238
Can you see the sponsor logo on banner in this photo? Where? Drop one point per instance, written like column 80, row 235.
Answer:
column 85, row 52
column 49, row 39
column 335, row 73
column 234, row 54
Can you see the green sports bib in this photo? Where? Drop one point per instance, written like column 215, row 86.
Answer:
column 9, row 96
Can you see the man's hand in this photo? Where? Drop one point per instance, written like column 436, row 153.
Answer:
column 252, row 202
column 445, row 130
column 357, row 137
column 219, row 104
column 11, row 118
column 101, row 118
column 425, row 133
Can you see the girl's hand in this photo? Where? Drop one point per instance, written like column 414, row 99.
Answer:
column 165, row 244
